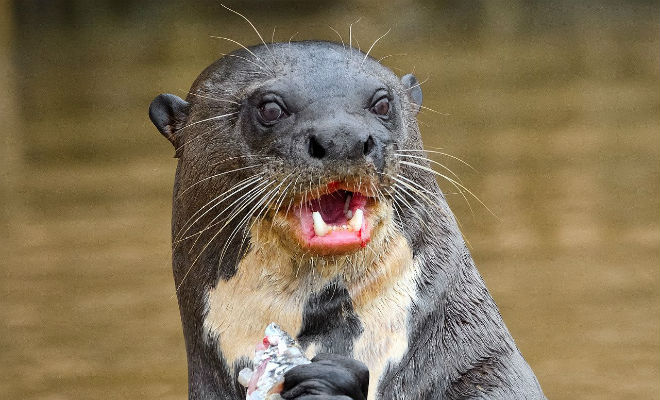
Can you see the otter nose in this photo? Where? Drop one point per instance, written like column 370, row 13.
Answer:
column 341, row 146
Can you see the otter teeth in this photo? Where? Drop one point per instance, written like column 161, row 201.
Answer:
column 355, row 223
column 320, row 227
column 347, row 212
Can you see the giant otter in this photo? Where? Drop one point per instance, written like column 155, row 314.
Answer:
column 302, row 197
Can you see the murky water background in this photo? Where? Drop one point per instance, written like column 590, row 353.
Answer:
column 557, row 107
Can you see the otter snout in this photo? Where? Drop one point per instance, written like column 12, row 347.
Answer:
column 345, row 142
column 345, row 145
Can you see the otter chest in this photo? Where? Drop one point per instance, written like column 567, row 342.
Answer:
column 367, row 318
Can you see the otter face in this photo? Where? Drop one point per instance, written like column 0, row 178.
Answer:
column 320, row 122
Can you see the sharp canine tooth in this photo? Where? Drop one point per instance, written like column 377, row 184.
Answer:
column 349, row 214
column 356, row 222
column 347, row 204
column 320, row 227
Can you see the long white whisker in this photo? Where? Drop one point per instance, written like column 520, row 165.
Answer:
column 410, row 207
column 252, row 25
column 451, row 181
column 438, row 152
column 246, row 49
column 391, row 55
column 245, row 59
column 218, row 200
column 213, row 98
column 203, row 133
column 242, row 203
column 374, row 43
column 350, row 32
column 272, row 192
column 236, row 187
column 217, row 175
column 430, row 161
column 198, row 256
column 338, row 34
column 417, row 188
column 280, row 200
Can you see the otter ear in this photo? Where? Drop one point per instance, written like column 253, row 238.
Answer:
column 414, row 90
column 169, row 113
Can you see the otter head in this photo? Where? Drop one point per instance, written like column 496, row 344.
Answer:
column 291, row 145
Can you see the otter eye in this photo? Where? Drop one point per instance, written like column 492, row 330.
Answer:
column 270, row 112
column 382, row 107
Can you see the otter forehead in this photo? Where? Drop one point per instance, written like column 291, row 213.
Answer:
column 310, row 67
column 301, row 88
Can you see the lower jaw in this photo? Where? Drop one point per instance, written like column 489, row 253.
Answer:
column 337, row 243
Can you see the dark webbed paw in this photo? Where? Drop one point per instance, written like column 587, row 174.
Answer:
column 328, row 377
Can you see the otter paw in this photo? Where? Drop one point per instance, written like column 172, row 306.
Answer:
column 328, row 377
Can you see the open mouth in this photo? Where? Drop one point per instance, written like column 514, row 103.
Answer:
column 335, row 223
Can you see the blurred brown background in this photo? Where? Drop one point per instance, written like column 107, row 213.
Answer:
column 556, row 104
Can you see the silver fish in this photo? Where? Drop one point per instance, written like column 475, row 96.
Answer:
column 274, row 356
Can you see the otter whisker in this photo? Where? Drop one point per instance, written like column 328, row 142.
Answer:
column 207, row 119
column 381, row 197
column 206, row 132
column 245, row 59
column 259, row 156
column 244, row 204
column 245, row 219
column 292, row 198
column 457, row 187
column 434, row 111
column 241, row 203
column 291, row 38
column 421, row 191
column 430, row 161
column 401, row 186
column 309, row 191
column 439, row 152
column 263, row 213
column 217, row 175
column 284, row 192
column 236, row 187
column 255, row 191
column 340, row 38
column 280, row 200
column 410, row 191
column 246, row 49
column 350, row 32
column 464, row 197
column 457, row 184
column 259, row 182
column 266, row 206
column 211, row 130
column 396, row 206
column 214, row 98
column 373, row 44
column 253, row 27
column 200, row 254
column 418, row 84
column 400, row 196
column 391, row 55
